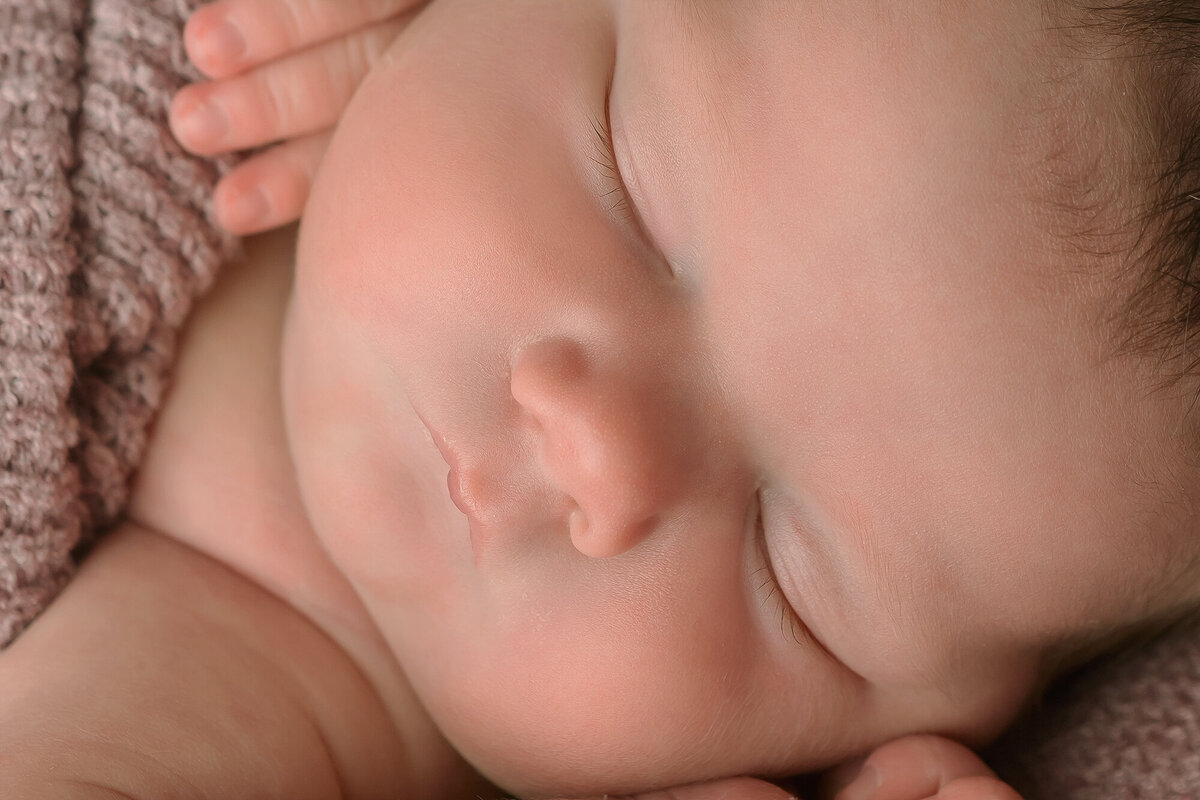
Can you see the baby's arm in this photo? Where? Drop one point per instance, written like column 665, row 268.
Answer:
column 282, row 72
column 161, row 673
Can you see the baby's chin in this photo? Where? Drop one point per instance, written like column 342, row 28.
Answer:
column 532, row 754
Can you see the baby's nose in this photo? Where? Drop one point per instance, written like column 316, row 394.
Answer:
column 606, row 438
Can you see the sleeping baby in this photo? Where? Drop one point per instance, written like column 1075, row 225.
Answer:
column 672, row 391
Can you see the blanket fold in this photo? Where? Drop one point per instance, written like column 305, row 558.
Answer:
column 105, row 242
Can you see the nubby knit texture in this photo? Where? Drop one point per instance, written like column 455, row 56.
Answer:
column 104, row 244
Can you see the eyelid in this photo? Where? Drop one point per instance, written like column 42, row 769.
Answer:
column 783, row 506
column 624, row 202
column 791, row 623
column 607, row 161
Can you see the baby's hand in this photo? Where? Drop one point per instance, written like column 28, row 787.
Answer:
column 924, row 768
column 912, row 768
column 727, row 789
column 282, row 72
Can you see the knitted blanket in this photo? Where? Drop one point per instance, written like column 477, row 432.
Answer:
column 1125, row 728
column 105, row 242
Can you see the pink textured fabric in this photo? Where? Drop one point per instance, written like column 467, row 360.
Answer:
column 104, row 244
column 1125, row 728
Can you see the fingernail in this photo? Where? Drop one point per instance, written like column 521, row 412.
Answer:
column 245, row 211
column 203, row 124
column 863, row 786
column 222, row 43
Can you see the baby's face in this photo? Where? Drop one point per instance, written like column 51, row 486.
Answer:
column 799, row 437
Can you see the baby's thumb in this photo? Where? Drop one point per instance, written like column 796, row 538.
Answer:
column 924, row 766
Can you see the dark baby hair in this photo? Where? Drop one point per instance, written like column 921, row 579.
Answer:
column 1134, row 201
column 1156, row 46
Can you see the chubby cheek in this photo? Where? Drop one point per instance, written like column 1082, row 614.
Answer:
column 549, row 670
column 607, row 678
column 332, row 422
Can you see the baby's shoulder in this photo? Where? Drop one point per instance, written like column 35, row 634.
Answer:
column 216, row 474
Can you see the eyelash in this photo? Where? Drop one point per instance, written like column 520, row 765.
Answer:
column 606, row 159
column 790, row 625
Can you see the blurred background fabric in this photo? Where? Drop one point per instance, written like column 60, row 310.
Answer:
column 1126, row 727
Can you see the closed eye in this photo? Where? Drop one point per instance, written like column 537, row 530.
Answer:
column 768, row 586
column 614, row 193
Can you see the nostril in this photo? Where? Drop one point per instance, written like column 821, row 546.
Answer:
column 577, row 525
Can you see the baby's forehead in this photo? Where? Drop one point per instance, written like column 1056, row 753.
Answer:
column 761, row 57
column 781, row 80
column 887, row 77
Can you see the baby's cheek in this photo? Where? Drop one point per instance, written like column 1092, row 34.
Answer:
column 576, row 720
column 344, row 438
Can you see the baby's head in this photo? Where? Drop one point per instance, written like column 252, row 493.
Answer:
column 833, row 402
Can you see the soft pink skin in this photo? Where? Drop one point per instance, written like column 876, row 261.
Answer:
column 861, row 320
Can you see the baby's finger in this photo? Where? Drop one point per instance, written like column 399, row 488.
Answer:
column 297, row 95
column 913, row 767
column 727, row 789
column 230, row 36
column 977, row 788
column 270, row 189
